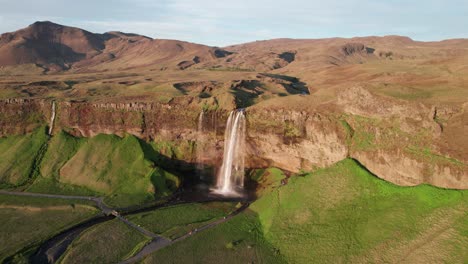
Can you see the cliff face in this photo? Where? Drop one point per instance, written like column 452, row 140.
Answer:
column 400, row 143
column 21, row 116
column 406, row 143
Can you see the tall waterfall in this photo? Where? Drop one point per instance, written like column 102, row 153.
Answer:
column 231, row 175
column 200, row 143
column 52, row 119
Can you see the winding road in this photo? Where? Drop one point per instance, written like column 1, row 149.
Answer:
column 52, row 249
column 160, row 242
column 98, row 200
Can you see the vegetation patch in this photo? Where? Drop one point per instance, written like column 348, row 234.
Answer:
column 116, row 167
column 346, row 214
column 175, row 221
column 19, row 157
column 109, row 242
column 26, row 222
column 240, row 240
column 62, row 147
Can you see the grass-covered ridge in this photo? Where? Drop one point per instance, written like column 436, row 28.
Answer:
column 124, row 170
column 19, row 157
column 345, row 214
column 116, row 167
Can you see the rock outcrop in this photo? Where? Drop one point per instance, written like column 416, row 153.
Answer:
column 399, row 142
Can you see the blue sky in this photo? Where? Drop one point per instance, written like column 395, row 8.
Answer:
column 221, row 23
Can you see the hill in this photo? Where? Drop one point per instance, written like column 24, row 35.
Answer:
column 55, row 47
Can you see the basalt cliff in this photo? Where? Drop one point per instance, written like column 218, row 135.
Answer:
column 395, row 105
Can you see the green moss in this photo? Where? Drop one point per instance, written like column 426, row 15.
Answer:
column 267, row 179
column 175, row 221
column 61, row 148
column 53, row 186
column 433, row 158
column 291, row 130
column 116, row 167
column 243, row 233
column 20, row 156
column 108, row 242
column 26, row 222
column 349, row 131
column 346, row 214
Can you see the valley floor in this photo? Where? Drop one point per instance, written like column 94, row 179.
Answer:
column 339, row 214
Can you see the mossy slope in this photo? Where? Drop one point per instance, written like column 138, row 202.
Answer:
column 18, row 156
column 345, row 214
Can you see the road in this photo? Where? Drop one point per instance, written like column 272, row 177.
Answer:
column 98, row 200
column 62, row 242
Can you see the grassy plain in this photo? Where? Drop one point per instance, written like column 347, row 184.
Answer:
column 175, row 221
column 25, row 222
column 18, row 156
column 346, row 214
column 109, row 242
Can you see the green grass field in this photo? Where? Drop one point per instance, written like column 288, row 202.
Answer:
column 342, row 214
column 18, row 155
column 175, row 221
column 62, row 147
column 345, row 214
column 25, row 222
column 109, row 242
column 106, row 165
column 239, row 240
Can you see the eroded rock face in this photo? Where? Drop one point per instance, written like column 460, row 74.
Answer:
column 406, row 143
column 21, row 116
column 400, row 143
column 295, row 140
column 402, row 169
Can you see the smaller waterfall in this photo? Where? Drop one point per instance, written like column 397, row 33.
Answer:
column 52, row 119
column 200, row 144
column 231, row 175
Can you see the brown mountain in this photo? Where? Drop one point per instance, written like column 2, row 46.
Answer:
column 57, row 47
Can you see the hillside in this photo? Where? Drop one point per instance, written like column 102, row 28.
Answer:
column 54, row 47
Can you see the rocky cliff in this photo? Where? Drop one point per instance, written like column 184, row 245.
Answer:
column 400, row 142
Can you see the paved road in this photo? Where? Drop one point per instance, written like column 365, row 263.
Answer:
column 157, row 243
column 98, row 200
column 160, row 242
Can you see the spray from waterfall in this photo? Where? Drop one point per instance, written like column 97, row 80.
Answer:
column 231, row 175
column 52, row 119
column 200, row 144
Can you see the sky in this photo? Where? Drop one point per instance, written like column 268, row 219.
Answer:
column 221, row 23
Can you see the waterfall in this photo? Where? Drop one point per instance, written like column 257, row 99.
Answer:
column 231, row 174
column 200, row 143
column 52, row 119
